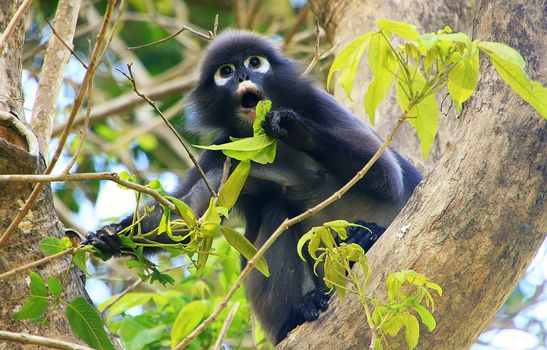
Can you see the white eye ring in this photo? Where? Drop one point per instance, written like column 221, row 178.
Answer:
column 222, row 77
column 263, row 67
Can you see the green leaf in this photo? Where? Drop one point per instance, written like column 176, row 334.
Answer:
column 335, row 275
column 33, row 308
column 156, row 186
column 426, row 316
column 246, row 248
column 379, row 88
column 404, row 30
column 457, row 37
column 203, row 254
column 36, row 304
column 262, row 108
column 54, row 286
column 510, row 66
column 435, row 287
column 393, row 286
column 308, row 236
column 188, row 318
column 423, row 116
column 378, row 52
column 229, row 192
column 185, row 212
column 210, row 226
column 412, row 331
column 51, row 246
column 347, row 62
column 462, row 79
column 393, row 325
column 87, row 324
column 125, row 303
column 79, row 259
column 260, row 148
column 136, row 335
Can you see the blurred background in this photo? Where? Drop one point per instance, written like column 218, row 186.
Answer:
column 124, row 133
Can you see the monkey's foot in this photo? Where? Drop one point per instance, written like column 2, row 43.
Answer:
column 307, row 309
column 106, row 241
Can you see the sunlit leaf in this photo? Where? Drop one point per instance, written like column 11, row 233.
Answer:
column 229, row 192
column 54, row 286
column 379, row 88
column 404, row 30
column 262, row 108
column 412, row 331
column 426, row 316
column 187, row 319
column 378, row 51
column 246, row 248
column 136, row 335
column 347, row 62
column 510, row 66
column 462, row 79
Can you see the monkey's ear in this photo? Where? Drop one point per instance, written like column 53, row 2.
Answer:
column 195, row 119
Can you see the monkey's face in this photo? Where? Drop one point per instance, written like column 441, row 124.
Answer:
column 242, row 78
column 238, row 71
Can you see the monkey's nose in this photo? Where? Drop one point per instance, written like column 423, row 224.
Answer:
column 243, row 77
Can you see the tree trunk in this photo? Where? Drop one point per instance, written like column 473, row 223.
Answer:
column 480, row 216
column 19, row 155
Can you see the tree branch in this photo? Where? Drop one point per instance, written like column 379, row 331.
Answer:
column 24, row 338
column 13, row 23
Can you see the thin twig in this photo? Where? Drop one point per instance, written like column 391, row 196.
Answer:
column 93, row 64
column 209, row 36
column 88, row 176
column 24, row 338
column 35, row 263
column 83, row 134
column 72, row 52
column 131, row 78
column 282, row 228
column 225, row 327
column 317, row 55
column 13, row 23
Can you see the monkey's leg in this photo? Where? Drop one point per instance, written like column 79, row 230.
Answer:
column 290, row 295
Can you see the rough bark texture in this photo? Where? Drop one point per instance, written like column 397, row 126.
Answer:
column 42, row 221
column 345, row 20
column 478, row 219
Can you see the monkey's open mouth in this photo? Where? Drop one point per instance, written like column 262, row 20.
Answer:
column 248, row 95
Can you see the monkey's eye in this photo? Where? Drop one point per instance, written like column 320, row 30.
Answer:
column 224, row 74
column 254, row 62
column 225, row 71
column 257, row 63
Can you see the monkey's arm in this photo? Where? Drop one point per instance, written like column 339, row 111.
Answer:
column 343, row 146
column 193, row 191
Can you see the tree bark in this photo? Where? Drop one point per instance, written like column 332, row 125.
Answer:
column 19, row 155
column 479, row 217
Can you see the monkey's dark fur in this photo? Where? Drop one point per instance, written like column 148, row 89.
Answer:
column 321, row 146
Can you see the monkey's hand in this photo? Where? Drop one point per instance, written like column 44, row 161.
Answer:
column 288, row 126
column 106, row 241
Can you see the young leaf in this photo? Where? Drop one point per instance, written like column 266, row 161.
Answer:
column 404, row 30
column 187, row 319
column 185, row 212
column 87, row 324
column 347, row 62
column 393, row 325
column 435, row 287
column 125, row 303
column 423, row 116
column 246, row 248
column 412, row 331
column 203, row 254
column 510, row 66
column 378, row 52
column 379, row 88
column 229, row 192
column 51, row 245
column 426, row 317
column 262, row 108
column 462, row 79
column 54, row 286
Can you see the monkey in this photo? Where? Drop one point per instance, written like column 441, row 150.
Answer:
column 321, row 146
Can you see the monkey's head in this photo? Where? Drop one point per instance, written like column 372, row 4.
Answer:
column 239, row 69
